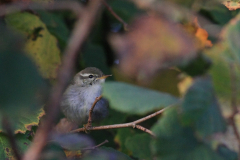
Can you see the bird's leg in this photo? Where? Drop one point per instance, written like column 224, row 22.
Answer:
column 89, row 124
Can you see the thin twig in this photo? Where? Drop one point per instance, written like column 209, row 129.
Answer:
column 145, row 130
column 234, row 90
column 80, row 32
column 94, row 147
column 125, row 125
column 21, row 6
column 109, row 8
column 89, row 124
column 6, row 125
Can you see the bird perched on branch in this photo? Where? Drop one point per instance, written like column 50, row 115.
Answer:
column 81, row 94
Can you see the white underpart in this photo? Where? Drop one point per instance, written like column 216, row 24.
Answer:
column 78, row 101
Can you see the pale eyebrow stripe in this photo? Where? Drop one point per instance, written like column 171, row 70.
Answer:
column 85, row 74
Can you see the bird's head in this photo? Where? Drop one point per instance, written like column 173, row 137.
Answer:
column 89, row 76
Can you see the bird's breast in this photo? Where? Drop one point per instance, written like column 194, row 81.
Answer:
column 90, row 93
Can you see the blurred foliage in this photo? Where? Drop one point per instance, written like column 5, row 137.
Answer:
column 20, row 85
column 6, row 149
column 178, row 53
column 40, row 44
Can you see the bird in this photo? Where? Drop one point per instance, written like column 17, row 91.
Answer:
column 80, row 95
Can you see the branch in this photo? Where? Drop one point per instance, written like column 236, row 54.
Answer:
column 79, row 34
column 6, row 125
column 124, row 125
column 62, row 5
column 89, row 124
column 145, row 130
column 94, row 147
column 109, row 8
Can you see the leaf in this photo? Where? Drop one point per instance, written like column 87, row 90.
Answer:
column 72, row 141
column 231, row 34
column 226, row 61
column 198, row 98
column 227, row 153
column 135, row 100
column 6, row 149
column 56, row 26
column 139, row 145
column 158, row 82
column 40, row 45
column 152, row 43
column 19, row 85
column 201, row 109
column 122, row 135
column 106, row 153
column 217, row 12
column 114, row 117
column 25, row 121
column 198, row 66
column 177, row 142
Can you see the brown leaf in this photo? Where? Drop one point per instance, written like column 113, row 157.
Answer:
column 152, row 43
column 201, row 34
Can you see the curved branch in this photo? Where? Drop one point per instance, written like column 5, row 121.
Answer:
column 125, row 125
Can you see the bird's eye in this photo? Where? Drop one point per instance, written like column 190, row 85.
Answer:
column 90, row 76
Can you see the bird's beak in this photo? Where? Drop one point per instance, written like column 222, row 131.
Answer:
column 104, row 77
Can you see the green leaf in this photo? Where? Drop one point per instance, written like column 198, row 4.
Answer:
column 200, row 108
column 139, row 144
column 135, row 100
column 217, row 12
column 211, row 121
column 122, row 135
column 198, row 98
column 25, row 120
column 114, row 117
column 197, row 66
column 106, row 153
column 6, row 151
column 232, row 36
column 56, row 26
column 19, row 85
column 177, row 142
column 226, row 153
column 226, row 61
column 40, row 45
